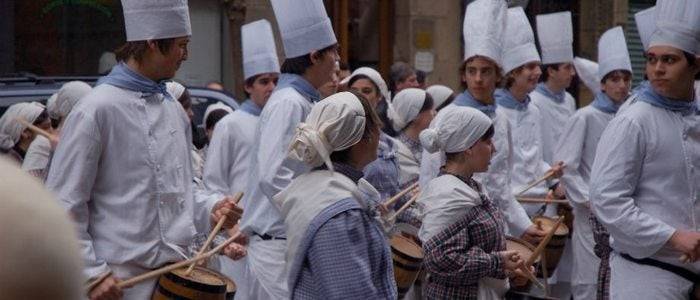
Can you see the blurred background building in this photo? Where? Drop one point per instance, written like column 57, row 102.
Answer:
column 68, row 37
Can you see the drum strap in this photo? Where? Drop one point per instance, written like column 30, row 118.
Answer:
column 688, row 275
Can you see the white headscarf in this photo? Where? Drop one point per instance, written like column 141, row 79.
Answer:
column 10, row 129
column 455, row 130
column 213, row 107
column 334, row 124
column 440, row 93
column 405, row 107
column 374, row 76
column 175, row 89
column 67, row 97
column 51, row 107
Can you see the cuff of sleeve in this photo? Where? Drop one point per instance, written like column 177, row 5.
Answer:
column 518, row 226
column 496, row 265
column 95, row 271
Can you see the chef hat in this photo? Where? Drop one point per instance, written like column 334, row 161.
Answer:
column 68, row 96
column 374, row 76
column 107, row 61
column 677, row 25
column 483, row 29
column 556, row 35
column 213, row 107
column 259, row 51
column 645, row 25
column 455, row 130
column 587, row 70
column 519, row 46
column 44, row 249
column 51, row 108
column 10, row 128
column 405, row 107
column 334, row 124
column 304, row 26
column 156, row 19
column 612, row 52
column 439, row 93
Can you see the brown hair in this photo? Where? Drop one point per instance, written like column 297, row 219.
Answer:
column 371, row 121
column 136, row 49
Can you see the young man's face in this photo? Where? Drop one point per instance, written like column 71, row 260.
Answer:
column 670, row 73
column 563, row 76
column 617, row 85
column 170, row 61
column 324, row 66
column 262, row 87
column 481, row 76
column 410, row 82
column 528, row 76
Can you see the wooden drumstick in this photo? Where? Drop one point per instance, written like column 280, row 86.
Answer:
column 530, row 276
column 155, row 273
column 92, row 284
column 213, row 233
column 546, row 176
column 404, row 207
column 544, row 242
column 400, row 194
column 37, row 130
column 541, row 200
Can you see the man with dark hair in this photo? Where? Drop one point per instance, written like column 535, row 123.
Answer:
column 122, row 169
column 312, row 55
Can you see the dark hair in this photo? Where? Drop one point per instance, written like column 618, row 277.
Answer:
column 136, row 49
column 399, row 72
column 510, row 77
column 615, row 73
column 213, row 117
column 344, row 66
column 487, row 135
column 420, row 76
column 41, row 118
column 249, row 83
column 363, row 76
column 545, row 68
column 447, row 102
column 371, row 121
column 298, row 65
column 185, row 99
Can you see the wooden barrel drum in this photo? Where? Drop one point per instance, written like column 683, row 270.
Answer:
column 525, row 251
column 407, row 257
column 200, row 284
column 555, row 247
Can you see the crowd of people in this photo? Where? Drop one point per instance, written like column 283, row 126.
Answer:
column 334, row 164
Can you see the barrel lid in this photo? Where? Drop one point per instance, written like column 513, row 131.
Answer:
column 406, row 246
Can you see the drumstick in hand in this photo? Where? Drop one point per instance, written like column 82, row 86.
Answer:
column 404, row 207
column 530, row 276
column 36, row 130
column 400, row 194
column 214, row 232
column 546, row 176
column 155, row 273
column 544, row 242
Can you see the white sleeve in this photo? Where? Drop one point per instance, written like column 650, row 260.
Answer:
column 616, row 170
column 221, row 154
column 570, row 151
column 72, row 176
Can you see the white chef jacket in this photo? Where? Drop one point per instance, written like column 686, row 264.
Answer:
column 554, row 118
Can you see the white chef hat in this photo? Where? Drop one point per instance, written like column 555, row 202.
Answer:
column 483, row 29
column 612, row 52
column 51, row 107
column 556, row 35
column 107, row 61
column 405, row 107
column 587, row 70
column 439, row 93
column 156, row 19
column 213, row 107
column 48, row 240
column 645, row 25
column 175, row 89
column 455, row 130
column 259, row 51
column 677, row 25
column 519, row 46
column 10, row 128
column 334, row 124
column 374, row 76
column 68, row 96
column 304, row 26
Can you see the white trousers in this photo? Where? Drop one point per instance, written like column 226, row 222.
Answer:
column 265, row 273
column 630, row 280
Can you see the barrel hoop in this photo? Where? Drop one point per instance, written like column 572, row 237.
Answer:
column 207, row 288
column 405, row 256
column 406, row 267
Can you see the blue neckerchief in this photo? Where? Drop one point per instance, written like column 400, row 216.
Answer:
column 251, row 108
column 300, row 85
column 544, row 90
column 640, row 87
column 505, row 98
column 466, row 99
column 648, row 95
column 603, row 103
column 123, row 77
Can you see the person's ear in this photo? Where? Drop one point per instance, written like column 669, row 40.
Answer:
column 26, row 134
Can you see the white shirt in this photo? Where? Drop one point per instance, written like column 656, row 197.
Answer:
column 123, row 172
column 554, row 118
column 230, row 154
column 272, row 170
column 645, row 182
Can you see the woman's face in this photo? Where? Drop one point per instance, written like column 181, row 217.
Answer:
column 366, row 149
column 481, row 153
column 424, row 118
column 368, row 90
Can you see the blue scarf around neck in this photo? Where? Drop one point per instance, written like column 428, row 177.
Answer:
column 603, row 103
column 648, row 95
column 251, row 108
column 299, row 84
column 505, row 98
column 556, row 97
column 466, row 99
column 122, row 76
